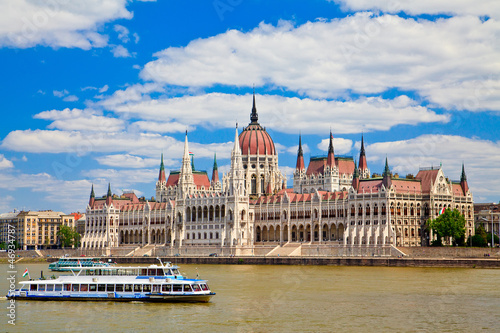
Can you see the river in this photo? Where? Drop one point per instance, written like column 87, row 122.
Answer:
column 287, row 298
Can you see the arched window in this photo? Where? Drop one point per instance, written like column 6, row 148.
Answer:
column 253, row 185
column 262, row 186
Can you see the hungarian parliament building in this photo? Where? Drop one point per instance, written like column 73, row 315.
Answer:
column 336, row 207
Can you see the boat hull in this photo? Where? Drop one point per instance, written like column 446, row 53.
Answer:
column 161, row 298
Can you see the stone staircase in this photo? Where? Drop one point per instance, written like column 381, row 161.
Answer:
column 287, row 250
column 141, row 251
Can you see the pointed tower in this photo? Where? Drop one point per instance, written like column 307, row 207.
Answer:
column 236, row 179
column 109, row 195
column 387, row 180
column 355, row 178
column 300, row 169
column 186, row 181
column 364, row 172
column 254, row 117
column 330, row 162
column 215, row 183
column 463, row 181
column 92, row 197
column 161, row 176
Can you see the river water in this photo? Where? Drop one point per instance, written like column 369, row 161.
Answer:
column 285, row 299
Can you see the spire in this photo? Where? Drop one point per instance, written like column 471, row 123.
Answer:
column 463, row 177
column 363, row 165
column 161, row 176
column 331, row 156
column 215, row 172
column 355, row 177
column 300, row 156
column 186, row 180
column 109, row 196
column 387, row 175
column 463, row 181
column 254, row 118
column 186, row 150
column 92, row 197
column 236, row 147
column 362, row 152
column 387, row 171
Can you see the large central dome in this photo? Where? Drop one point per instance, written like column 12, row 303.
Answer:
column 254, row 139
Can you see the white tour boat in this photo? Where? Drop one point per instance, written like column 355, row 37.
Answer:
column 154, row 283
column 64, row 264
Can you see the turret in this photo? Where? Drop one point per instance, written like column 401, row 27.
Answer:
column 355, row 178
column 215, row 183
column 300, row 157
column 254, row 117
column 161, row 176
column 109, row 195
column 463, row 181
column 331, row 156
column 387, row 181
column 92, row 197
column 364, row 172
column 186, row 180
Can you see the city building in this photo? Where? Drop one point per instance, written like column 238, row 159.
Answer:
column 38, row 229
column 8, row 221
column 488, row 216
column 334, row 203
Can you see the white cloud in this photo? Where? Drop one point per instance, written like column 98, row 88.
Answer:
column 122, row 33
column 74, row 142
column 340, row 145
column 70, row 98
column 159, row 127
column 481, row 158
column 25, row 23
column 136, row 37
column 60, row 93
column 279, row 113
column 81, row 120
column 294, row 149
column 445, row 60
column 287, row 171
column 417, row 7
column 5, row 163
column 6, row 203
column 120, row 52
column 103, row 89
column 131, row 161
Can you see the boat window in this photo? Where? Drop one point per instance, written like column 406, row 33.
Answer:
column 75, row 287
column 151, row 271
column 58, row 287
column 144, row 271
column 97, row 272
column 33, row 287
column 146, row 288
column 137, row 288
column 166, row 287
column 110, row 287
column 90, row 272
column 177, row 288
column 204, row 287
column 92, row 287
column 159, row 272
column 41, row 287
column 175, row 271
column 101, row 287
column 196, row 287
column 168, row 271
column 24, row 288
column 119, row 287
column 67, row 287
column 83, row 287
column 187, row 288
column 50, row 287
column 128, row 287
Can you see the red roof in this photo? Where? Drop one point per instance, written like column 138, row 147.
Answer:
column 457, row 190
column 427, row 177
column 255, row 139
column 200, row 179
column 317, row 165
column 370, row 185
column 407, row 186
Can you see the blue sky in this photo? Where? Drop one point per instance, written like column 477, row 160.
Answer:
column 94, row 91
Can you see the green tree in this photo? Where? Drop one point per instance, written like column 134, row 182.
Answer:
column 68, row 236
column 449, row 225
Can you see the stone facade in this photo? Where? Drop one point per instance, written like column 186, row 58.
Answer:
column 334, row 203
